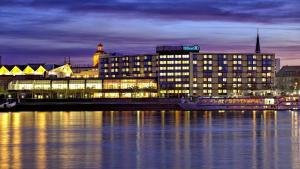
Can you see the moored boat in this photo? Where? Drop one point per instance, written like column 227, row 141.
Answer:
column 240, row 103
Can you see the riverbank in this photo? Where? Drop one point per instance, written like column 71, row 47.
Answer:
column 96, row 104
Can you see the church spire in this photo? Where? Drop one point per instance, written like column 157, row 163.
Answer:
column 257, row 49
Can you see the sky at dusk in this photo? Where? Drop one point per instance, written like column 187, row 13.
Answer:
column 45, row 31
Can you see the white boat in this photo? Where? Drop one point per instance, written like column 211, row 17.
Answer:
column 8, row 105
column 241, row 103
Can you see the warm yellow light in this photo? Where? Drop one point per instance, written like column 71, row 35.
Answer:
column 40, row 71
column 62, row 71
column 16, row 71
column 28, row 70
column 4, row 71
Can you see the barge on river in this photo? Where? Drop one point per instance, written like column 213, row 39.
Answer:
column 241, row 103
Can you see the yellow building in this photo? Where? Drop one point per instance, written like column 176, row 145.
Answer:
column 97, row 55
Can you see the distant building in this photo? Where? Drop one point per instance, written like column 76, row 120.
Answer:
column 288, row 79
column 98, row 54
column 277, row 65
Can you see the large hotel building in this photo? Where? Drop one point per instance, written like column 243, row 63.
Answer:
column 173, row 71
column 184, row 71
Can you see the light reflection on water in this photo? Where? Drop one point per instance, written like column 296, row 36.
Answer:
column 150, row 139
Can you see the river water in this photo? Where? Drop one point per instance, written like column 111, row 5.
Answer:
column 150, row 139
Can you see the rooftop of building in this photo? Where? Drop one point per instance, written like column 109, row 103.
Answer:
column 288, row 71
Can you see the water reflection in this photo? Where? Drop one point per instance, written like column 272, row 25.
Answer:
column 150, row 139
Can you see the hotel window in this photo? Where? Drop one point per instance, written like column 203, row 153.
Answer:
column 185, row 68
column 177, row 74
column 185, row 62
column 177, row 80
column 186, row 85
column 177, row 62
column 170, row 56
column 163, row 68
column 225, row 62
column 162, row 74
column 170, row 74
column 178, row 68
column 178, row 85
column 170, row 68
column 195, row 85
column 170, row 62
column 185, row 56
column 185, row 73
column 162, row 56
column 220, row 68
column 220, row 85
column 163, row 62
column 204, row 56
column 194, row 62
column 177, row 56
column 59, row 85
column 93, row 84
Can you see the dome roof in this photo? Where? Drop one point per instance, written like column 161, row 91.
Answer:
column 100, row 44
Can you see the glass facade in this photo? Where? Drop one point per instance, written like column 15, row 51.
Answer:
column 86, row 88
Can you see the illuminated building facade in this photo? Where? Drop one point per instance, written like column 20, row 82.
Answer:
column 98, row 54
column 128, row 66
column 215, row 74
column 184, row 71
column 175, row 70
column 84, row 88
column 20, row 70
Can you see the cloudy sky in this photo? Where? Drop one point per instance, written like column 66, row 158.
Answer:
column 45, row 31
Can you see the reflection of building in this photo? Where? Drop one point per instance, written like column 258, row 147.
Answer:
column 288, row 78
column 85, row 88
